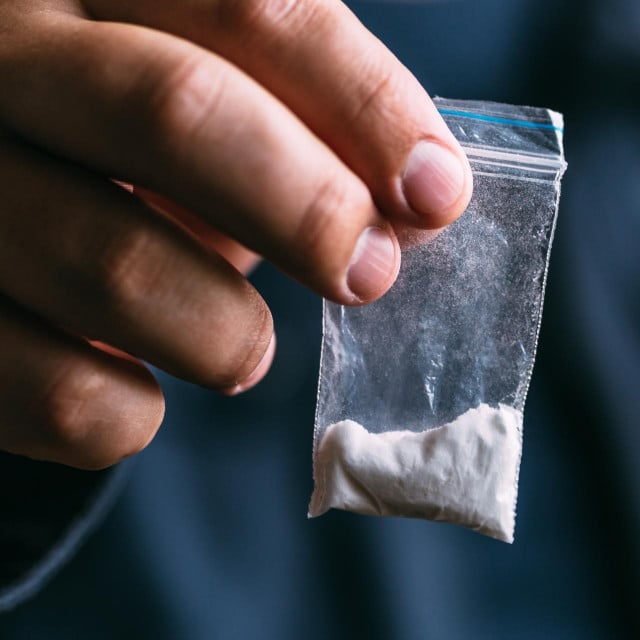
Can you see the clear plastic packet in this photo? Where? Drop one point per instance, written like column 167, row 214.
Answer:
column 421, row 394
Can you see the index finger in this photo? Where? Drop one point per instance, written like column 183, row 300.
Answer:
column 343, row 82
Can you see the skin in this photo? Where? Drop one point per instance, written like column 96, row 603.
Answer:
column 150, row 151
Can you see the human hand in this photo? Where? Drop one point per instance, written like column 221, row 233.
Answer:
column 280, row 127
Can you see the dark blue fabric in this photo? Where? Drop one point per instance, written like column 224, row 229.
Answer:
column 46, row 512
column 210, row 538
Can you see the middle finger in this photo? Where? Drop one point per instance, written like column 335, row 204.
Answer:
column 91, row 258
column 150, row 109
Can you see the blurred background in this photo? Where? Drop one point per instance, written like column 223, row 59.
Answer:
column 209, row 537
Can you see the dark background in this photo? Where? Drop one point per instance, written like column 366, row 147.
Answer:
column 210, row 538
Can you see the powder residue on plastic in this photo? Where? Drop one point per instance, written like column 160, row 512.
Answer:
column 464, row 472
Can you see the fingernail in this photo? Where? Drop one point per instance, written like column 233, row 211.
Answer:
column 258, row 373
column 433, row 178
column 374, row 264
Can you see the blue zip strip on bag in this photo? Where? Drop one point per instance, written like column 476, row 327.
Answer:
column 509, row 121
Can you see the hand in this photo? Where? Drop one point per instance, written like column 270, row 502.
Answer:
column 280, row 127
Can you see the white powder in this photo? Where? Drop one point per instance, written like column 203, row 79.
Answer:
column 464, row 472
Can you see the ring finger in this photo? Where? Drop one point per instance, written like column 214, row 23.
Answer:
column 93, row 259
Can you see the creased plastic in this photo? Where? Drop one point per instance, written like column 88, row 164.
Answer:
column 458, row 331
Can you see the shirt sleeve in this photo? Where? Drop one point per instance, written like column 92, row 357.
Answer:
column 46, row 512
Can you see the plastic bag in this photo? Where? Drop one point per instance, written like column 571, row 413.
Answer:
column 421, row 394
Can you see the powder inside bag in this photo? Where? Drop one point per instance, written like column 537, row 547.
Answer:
column 464, row 472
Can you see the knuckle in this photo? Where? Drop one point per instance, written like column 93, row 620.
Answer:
column 125, row 273
column 377, row 94
column 68, row 401
column 182, row 99
column 245, row 16
column 83, row 424
column 323, row 233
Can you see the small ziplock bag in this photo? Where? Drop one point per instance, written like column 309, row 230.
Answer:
column 421, row 394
